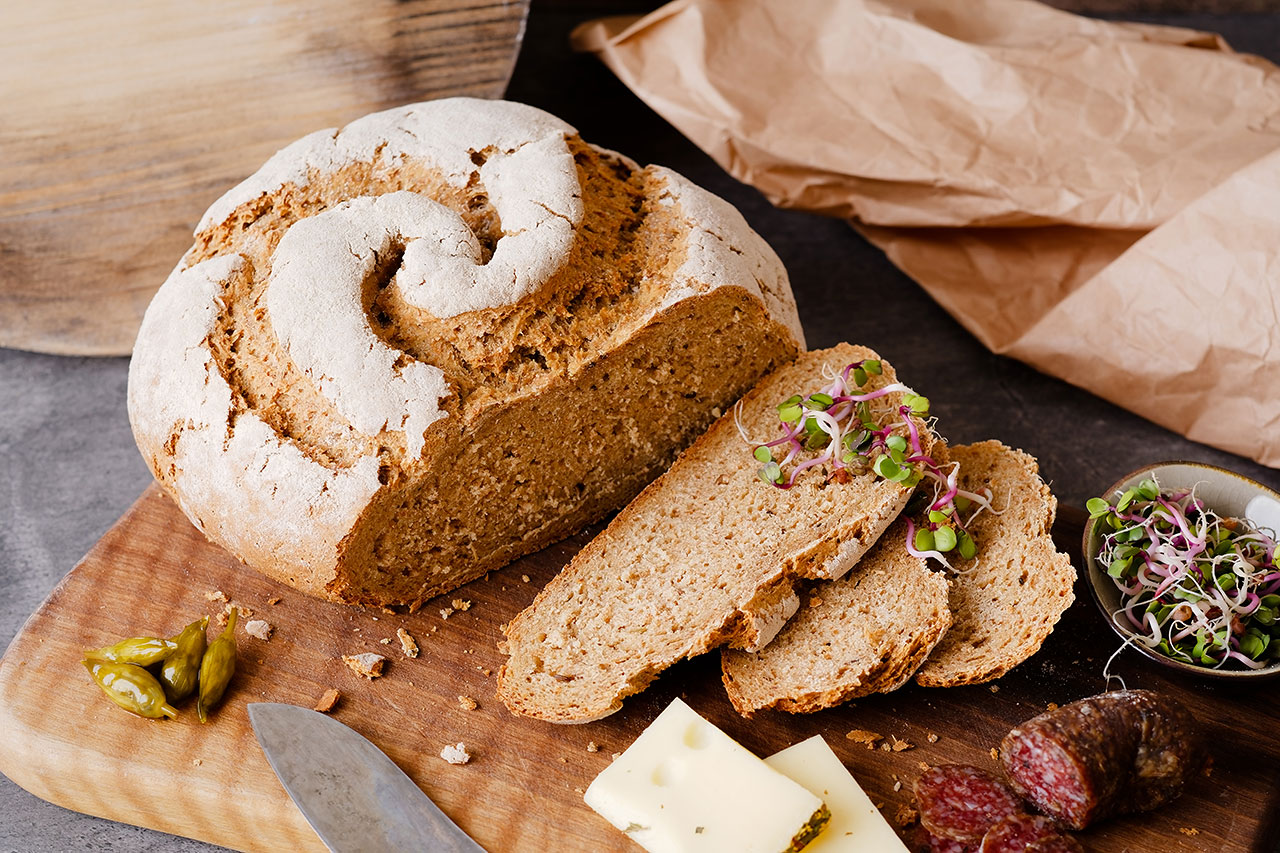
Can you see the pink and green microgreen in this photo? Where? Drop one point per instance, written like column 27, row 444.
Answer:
column 846, row 428
column 1194, row 586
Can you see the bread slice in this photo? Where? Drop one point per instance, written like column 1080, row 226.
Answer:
column 1007, row 599
column 865, row 633
column 706, row 556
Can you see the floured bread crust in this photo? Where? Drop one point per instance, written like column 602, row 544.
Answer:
column 403, row 353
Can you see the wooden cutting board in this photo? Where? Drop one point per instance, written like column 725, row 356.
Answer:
column 121, row 122
column 522, row 790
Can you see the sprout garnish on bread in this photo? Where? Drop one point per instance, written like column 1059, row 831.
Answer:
column 844, row 428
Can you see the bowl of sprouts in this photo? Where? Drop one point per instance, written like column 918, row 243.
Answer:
column 1184, row 562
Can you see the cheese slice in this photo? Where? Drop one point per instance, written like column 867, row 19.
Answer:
column 684, row 785
column 856, row 825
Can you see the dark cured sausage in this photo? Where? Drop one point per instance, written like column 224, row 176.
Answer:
column 960, row 803
column 1119, row 752
column 1022, row 833
column 921, row 840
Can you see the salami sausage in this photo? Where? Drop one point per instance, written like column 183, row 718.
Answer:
column 1119, row 752
column 1021, row 833
column 960, row 803
column 921, row 840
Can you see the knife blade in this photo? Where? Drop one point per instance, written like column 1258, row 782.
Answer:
column 354, row 796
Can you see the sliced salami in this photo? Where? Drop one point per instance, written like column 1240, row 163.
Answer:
column 1022, row 833
column 1119, row 752
column 921, row 840
column 960, row 803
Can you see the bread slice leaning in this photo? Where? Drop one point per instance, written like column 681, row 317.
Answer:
column 706, row 556
column 865, row 633
column 1006, row 600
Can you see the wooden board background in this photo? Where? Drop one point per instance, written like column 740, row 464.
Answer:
column 121, row 122
column 522, row 790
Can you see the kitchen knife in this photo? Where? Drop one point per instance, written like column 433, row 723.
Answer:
column 355, row 798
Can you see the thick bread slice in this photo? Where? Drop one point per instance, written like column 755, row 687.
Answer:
column 1007, row 599
column 704, row 557
column 864, row 633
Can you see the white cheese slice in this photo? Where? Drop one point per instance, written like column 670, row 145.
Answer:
column 684, row 785
column 856, row 824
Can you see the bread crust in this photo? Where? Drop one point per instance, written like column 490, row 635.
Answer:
column 293, row 426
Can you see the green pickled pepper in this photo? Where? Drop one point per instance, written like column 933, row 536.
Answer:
column 216, row 668
column 182, row 668
column 132, row 688
column 140, row 651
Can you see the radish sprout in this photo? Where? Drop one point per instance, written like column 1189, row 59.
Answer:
column 848, row 427
column 1194, row 586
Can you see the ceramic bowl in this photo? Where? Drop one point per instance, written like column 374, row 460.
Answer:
column 1228, row 494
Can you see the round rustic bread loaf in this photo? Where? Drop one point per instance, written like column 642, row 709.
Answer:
column 404, row 353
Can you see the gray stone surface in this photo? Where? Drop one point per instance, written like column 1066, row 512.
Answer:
column 68, row 467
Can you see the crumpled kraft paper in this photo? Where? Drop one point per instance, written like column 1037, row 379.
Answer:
column 1100, row 200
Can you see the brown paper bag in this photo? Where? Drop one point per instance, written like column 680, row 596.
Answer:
column 1094, row 198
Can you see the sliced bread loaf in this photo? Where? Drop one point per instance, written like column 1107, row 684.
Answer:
column 406, row 352
column 865, row 633
column 1007, row 599
column 706, row 556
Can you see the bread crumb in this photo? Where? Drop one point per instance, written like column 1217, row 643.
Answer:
column 901, row 745
column 466, row 703
column 995, row 688
column 897, row 786
column 579, row 790
column 1052, row 706
column 931, row 737
column 445, row 613
column 1188, row 831
column 884, row 747
column 524, row 578
column 386, row 641
column 260, row 629
column 221, row 618
column 815, row 602
column 615, row 756
column 592, row 746
column 455, row 753
column 905, row 816
column 366, row 664
column 995, row 754
column 564, row 760
column 435, row 628
column 485, row 670
column 216, row 595
column 198, row 761
column 463, row 604
column 388, row 611
column 408, row 644
column 923, row 766
column 273, row 600
column 328, row 701
column 864, row 736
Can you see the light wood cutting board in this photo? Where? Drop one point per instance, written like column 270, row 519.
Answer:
column 522, row 791
column 121, row 122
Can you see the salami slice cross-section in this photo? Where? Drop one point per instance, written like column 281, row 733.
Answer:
column 960, row 802
column 1115, row 753
column 1022, row 833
